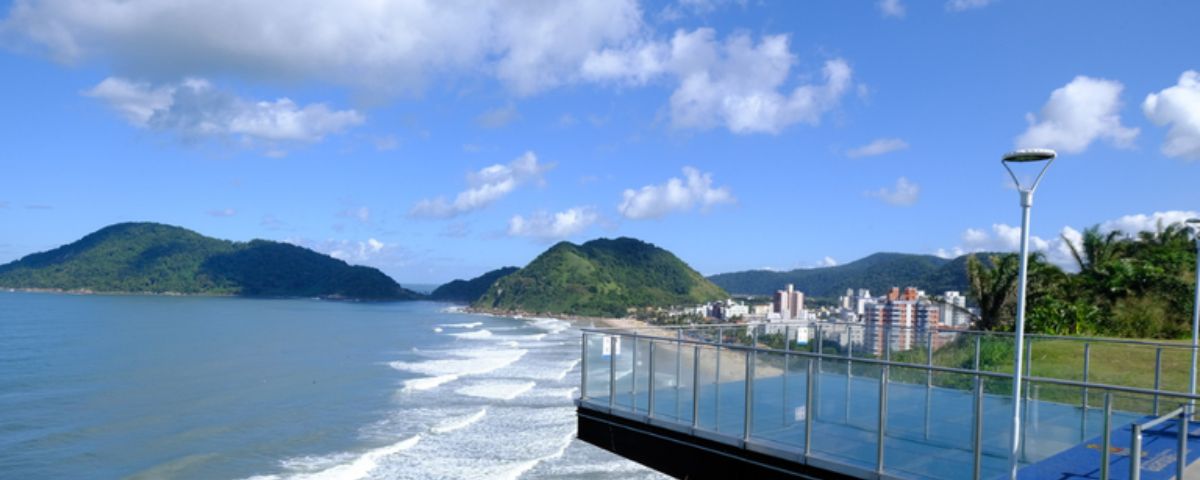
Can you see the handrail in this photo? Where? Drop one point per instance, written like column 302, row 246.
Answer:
column 918, row 366
column 611, row 339
column 940, row 329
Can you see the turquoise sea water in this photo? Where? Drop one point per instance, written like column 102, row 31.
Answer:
column 96, row 386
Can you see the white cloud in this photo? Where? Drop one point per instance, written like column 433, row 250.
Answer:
column 1178, row 106
column 961, row 5
column 362, row 214
column 738, row 84
column 1079, row 113
column 484, row 187
column 878, row 147
column 223, row 212
column 1007, row 238
column 380, row 46
column 194, row 109
column 827, row 262
column 371, row 252
column 891, row 8
column 1131, row 224
column 546, row 226
column 904, row 194
column 676, row 195
column 498, row 117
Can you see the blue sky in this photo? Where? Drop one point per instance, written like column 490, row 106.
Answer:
column 438, row 140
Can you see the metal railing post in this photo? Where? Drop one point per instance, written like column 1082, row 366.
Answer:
column 695, row 386
column 977, row 441
column 678, row 368
column 929, row 362
column 717, row 391
column 633, row 403
column 612, row 371
column 583, row 366
column 1087, row 361
column 1157, row 376
column 1106, row 444
column 650, row 388
column 787, row 367
column 749, row 395
column 1135, row 452
column 978, row 340
column 849, row 374
column 883, row 390
column 1181, row 452
column 809, row 410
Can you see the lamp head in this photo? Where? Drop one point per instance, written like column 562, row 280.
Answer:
column 1029, row 155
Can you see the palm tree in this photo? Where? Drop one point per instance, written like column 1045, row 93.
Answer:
column 993, row 287
column 1097, row 249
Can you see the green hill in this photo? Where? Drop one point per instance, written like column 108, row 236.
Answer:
column 600, row 277
column 470, row 290
column 877, row 272
column 156, row 258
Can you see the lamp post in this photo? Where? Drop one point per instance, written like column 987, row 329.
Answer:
column 1194, row 224
column 1022, row 156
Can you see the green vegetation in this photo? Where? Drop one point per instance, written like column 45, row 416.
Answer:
column 1128, row 286
column 156, row 258
column 604, row 277
column 877, row 272
column 468, row 291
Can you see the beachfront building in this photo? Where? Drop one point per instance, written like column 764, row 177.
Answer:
column 789, row 304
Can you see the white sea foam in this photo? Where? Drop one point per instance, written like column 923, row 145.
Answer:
column 461, row 325
column 552, row 325
column 458, row 423
column 360, row 466
column 567, row 370
column 496, row 390
column 514, row 471
column 463, row 362
column 428, row 383
column 475, row 335
column 437, row 329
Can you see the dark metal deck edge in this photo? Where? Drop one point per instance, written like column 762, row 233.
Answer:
column 685, row 456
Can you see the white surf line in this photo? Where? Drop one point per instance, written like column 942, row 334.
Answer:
column 363, row 465
column 567, row 371
column 458, row 423
column 427, row 383
column 497, row 390
column 461, row 325
column 522, row 468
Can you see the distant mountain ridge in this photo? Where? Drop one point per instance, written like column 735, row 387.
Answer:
column 157, row 258
column 876, row 272
column 603, row 277
column 468, row 291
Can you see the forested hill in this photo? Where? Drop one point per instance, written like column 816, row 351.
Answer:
column 157, row 258
column 602, row 277
column 877, row 272
column 468, row 291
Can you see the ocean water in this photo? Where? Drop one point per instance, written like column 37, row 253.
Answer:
column 97, row 386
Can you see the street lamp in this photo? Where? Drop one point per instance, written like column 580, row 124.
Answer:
column 1022, row 156
column 1194, row 224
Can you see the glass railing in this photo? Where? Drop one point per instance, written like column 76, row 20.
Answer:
column 902, row 402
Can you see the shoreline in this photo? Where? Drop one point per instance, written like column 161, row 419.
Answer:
column 575, row 320
column 86, row 291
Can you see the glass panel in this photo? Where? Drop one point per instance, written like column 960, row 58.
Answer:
column 709, row 389
column 672, row 381
column 930, row 429
column 779, row 390
column 597, row 367
column 622, row 352
column 640, row 381
column 847, row 412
